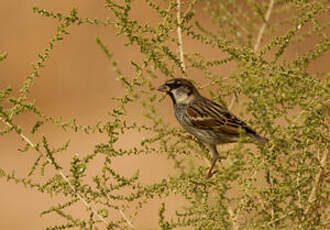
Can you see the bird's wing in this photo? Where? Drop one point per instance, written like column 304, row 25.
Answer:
column 209, row 115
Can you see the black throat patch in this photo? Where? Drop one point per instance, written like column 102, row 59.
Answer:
column 172, row 97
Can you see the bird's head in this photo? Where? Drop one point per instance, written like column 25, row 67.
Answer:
column 180, row 90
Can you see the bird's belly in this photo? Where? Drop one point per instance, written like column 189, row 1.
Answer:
column 210, row 137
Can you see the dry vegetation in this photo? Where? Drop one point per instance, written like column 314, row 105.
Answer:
column 282, row 185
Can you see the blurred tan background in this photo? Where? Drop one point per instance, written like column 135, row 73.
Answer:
column 77, row 82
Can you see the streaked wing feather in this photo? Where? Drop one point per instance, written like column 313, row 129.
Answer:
column 211, row 116
column 231, row 129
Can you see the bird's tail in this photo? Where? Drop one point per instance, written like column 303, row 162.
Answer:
column 262, row 140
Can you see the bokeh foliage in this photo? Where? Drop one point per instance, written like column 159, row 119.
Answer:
column 282, row 185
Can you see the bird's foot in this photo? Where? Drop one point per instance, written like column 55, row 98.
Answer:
column 211, row 173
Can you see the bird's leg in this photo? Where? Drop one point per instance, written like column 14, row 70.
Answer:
column 215, row 156
column 210, row 173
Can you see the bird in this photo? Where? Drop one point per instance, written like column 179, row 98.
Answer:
column 209, row 122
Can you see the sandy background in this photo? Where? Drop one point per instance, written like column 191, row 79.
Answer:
column 77, row 82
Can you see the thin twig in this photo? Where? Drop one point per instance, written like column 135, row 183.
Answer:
column 27, row 140
column 323, row 163
column 232, row 100
column 279, row 218
column 206, row 85
column 257, row 44
column 80, row 197
column 263, row 26
column 126, row 219
column 178, row 16
column 313, row 195
column 233, row 219
column 129, row 223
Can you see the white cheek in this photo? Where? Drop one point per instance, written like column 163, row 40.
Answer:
column 180, row 96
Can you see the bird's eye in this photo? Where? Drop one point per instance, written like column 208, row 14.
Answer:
column 173, row 84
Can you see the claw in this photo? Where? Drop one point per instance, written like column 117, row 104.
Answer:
column 210, row 174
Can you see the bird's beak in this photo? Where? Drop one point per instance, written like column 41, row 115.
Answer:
column 164, row 88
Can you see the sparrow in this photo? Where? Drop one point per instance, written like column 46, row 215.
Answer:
column 208, row 121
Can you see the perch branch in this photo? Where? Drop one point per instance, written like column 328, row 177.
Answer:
column 178, row 16
column 80, row 197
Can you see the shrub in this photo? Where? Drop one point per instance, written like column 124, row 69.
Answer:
column 281, row 185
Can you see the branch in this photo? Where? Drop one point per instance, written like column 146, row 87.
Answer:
column 256, row 46
column 129, row 223
column 313, row 195
column 126, row 219
column 263, row 26
column 27, row 140
column 231, row 102
column 278, row 219
column 80, row 197
column 178, row 16
column 233, row 218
